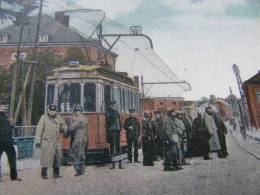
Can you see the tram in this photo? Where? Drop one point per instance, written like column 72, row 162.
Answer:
column 93, row 87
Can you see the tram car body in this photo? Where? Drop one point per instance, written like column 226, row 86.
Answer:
column 93, row 87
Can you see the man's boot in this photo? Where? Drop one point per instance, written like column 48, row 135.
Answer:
column 44, row 173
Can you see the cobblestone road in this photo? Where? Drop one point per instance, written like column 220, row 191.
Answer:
column 238, row 174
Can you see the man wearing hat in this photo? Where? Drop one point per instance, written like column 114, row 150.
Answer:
column 6, row 140
column 48, row 139
column 78, row 130
column 113, row 123
column 133, row 128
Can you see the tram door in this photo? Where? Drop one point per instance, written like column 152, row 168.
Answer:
column 107, row 96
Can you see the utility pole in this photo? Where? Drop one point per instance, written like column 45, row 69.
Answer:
column 30, row 102
column 29, row 71
column 245, row 118
column 18, row 65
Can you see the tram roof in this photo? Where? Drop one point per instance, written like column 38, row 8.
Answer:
column 97, row 71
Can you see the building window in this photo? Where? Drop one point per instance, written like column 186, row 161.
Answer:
column 69, row 95
column 44, row 37
column 90, row 97
column 161, row 103
column 258, row 96
column 3, row 38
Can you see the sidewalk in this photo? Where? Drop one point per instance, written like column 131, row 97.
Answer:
column 251, row 144
column 254, row 134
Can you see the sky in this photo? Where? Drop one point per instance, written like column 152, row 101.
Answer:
column 199, row 40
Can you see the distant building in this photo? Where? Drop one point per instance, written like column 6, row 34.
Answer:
column 223, row 108
column 252, row 92
column 162, row 104
column 55, row 36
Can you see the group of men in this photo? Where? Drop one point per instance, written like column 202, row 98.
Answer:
column 172, row 136
column 167, row 135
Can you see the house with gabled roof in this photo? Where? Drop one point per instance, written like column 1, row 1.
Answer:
column 55, row 36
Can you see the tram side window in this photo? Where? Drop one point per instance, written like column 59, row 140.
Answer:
column 123, row 109
column 50, row 94
column 90, row 98
column 131, row 99
column 69, row 95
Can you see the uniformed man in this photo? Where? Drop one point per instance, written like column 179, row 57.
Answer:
column 173, row 154
column 113, row 128
column 133, row 128
column 148, row 139
column 6, row 140
column 182, row 135
column 188, row 134
column 78, row 130
column 48, row 139
column 222, row 131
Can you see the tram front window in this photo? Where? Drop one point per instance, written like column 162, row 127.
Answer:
column 69, row 94
column 50, row 94
column 90, row 98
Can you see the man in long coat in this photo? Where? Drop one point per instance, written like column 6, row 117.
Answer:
column 114, row 125
column 188, row 133
column 159, row 136
column 173, row 153
column 78, row 130
column 148, row 140
column 201, row 137
column 222, row 131
column 212, row 129
column 133, row 129
column 48, row 138
column 182, row 135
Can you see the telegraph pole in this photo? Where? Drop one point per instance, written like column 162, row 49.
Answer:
column 243, row 97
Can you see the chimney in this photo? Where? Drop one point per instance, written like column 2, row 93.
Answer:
column 61, row 18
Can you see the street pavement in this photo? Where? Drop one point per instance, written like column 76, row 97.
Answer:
column 238, row 174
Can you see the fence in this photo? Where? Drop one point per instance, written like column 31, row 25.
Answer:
column 24, row 139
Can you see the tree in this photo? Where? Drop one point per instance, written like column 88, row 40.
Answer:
column 76, row 53
column 7, row 13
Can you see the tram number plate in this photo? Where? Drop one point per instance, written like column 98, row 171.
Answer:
column 119, row 157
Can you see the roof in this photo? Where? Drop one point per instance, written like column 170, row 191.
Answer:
column 99, row 70
column 253, row 80
column 58, row 33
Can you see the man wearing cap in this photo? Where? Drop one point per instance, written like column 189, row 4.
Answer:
column 6, row 140
column 48, row 138
column 133, row 128
column 78, row 130
column 113, row 128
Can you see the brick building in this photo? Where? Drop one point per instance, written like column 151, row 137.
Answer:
column 162, row 103
column 55, row 36
column 252, row 92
